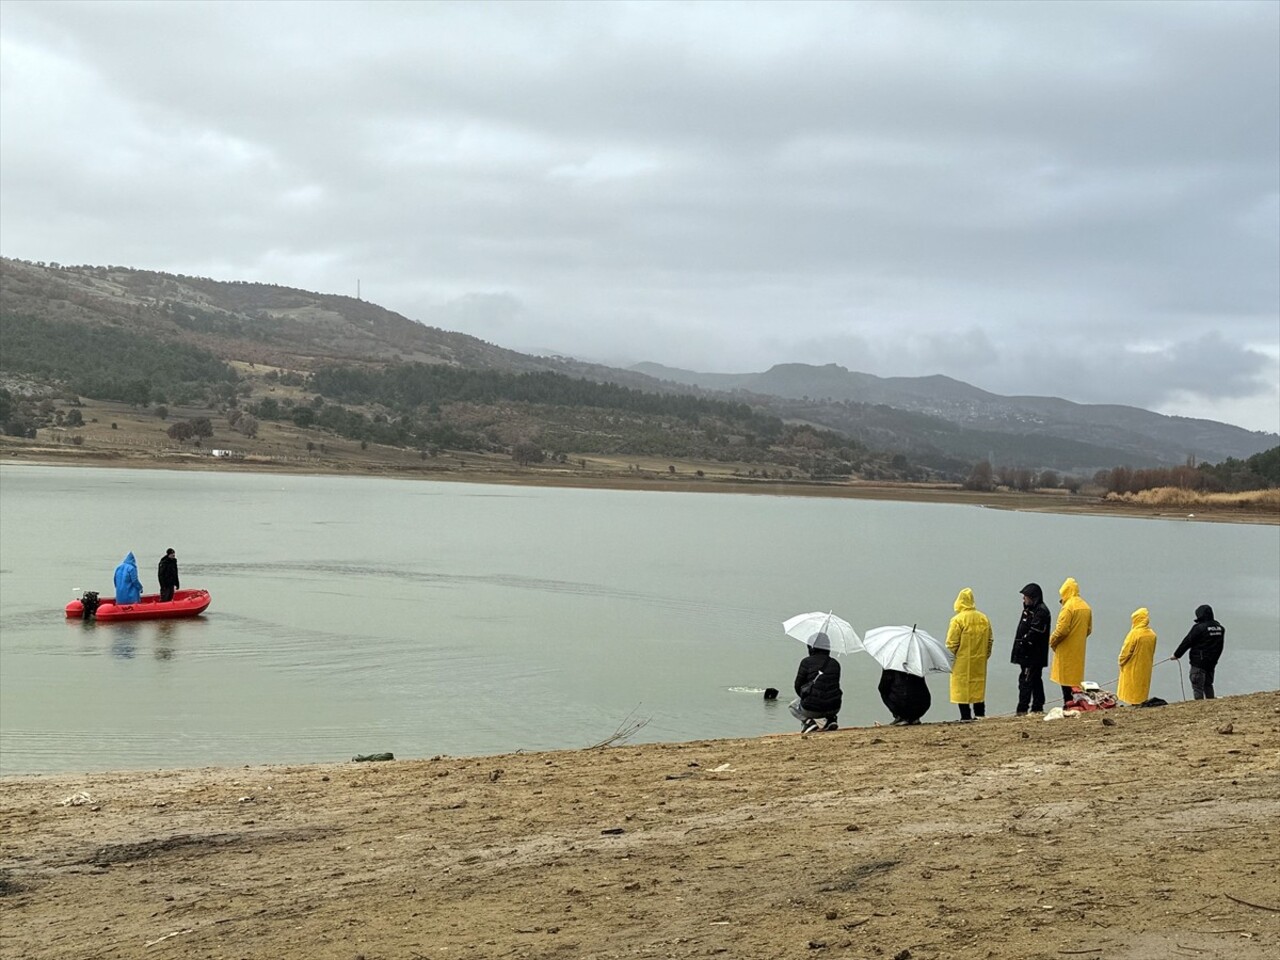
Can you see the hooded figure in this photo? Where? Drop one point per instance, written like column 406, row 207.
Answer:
column 1031, row 649
column 1136, row 657
column 1205, row 641
column 128, row 586
column 167, row 572
column 1075, row 623
column 969, row 639
column 818, row 694
column 1031, row 641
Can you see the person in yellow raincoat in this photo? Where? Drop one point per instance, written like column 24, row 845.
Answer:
column 969, row 639
column 1136, row 658
column 1075, row 623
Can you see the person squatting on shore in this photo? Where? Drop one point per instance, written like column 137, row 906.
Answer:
column 1031, row 649
column 167, row 572
column 1205, row 641
column 818, row 694
column 1136, row 657
column 1075, row 623
column 906, row 695
column 969, row 639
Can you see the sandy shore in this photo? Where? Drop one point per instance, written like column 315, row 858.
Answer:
column 1154, row 835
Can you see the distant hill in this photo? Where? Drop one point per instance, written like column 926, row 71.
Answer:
column 265, row 323
column 252, row 322
column 245, row 355
column 96, row 329
column 1027, row 430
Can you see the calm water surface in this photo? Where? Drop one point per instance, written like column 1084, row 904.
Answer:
column 355, row 615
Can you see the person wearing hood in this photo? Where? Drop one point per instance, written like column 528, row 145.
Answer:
column 1075, row 623
column 1031, row 649
column 969, row 640
column 818, row 694
column 1205, row 643
column 167, row 571
column 906, row 695
column 128, row 586
column 1136, row 657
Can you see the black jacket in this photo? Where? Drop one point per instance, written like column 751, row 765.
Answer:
column 905, row 694
column 167, row 572
column 818, row 683
column 1031, row 641
column 1204, row 639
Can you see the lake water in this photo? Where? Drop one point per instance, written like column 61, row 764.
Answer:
column 358, row 615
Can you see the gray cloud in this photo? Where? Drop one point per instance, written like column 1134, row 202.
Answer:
column 1040, row 197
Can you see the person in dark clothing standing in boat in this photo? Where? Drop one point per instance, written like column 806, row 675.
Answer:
column 1205, row 641
column 168, row 574
column 906, row 695
column 818, row 694
column 1031, row 649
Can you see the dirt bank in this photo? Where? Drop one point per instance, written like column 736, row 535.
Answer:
column 608, row 475
column 1012, row 839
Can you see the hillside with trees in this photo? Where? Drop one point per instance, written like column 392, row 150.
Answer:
column 259, row 361
column 969, row 423
column 248, row 355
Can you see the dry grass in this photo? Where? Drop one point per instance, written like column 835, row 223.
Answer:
column 1179, row 497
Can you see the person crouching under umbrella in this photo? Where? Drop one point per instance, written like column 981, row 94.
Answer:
column 906, row 696
column 818, row 694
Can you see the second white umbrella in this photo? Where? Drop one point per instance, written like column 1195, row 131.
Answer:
column 908, row 649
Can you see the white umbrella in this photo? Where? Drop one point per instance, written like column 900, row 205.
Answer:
column 841, row 637
column 908, row 649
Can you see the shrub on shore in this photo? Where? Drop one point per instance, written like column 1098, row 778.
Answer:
column 1181, row 497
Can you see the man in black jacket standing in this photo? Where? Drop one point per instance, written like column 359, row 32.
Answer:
column 167, row 572
column 1031, row 649
column 1204, row 640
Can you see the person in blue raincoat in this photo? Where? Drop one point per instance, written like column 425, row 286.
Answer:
column 128, row 586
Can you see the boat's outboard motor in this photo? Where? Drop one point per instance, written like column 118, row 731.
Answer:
column 89, row 605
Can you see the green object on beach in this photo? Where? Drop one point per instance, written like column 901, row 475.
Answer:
column 370, row 757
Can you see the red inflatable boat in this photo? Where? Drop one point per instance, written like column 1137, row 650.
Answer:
column 185, row 603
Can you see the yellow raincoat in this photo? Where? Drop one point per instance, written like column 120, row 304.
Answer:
column 1136, row 657
column 1075, row 623
column 969, row 638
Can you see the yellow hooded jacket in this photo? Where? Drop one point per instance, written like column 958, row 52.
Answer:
column 1075, row 623
column 969, row 638
column 1136, row 657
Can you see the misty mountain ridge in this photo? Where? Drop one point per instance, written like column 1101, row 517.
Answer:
column 1142, row 435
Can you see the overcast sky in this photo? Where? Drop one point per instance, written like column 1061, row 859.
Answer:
column 1074, row 199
